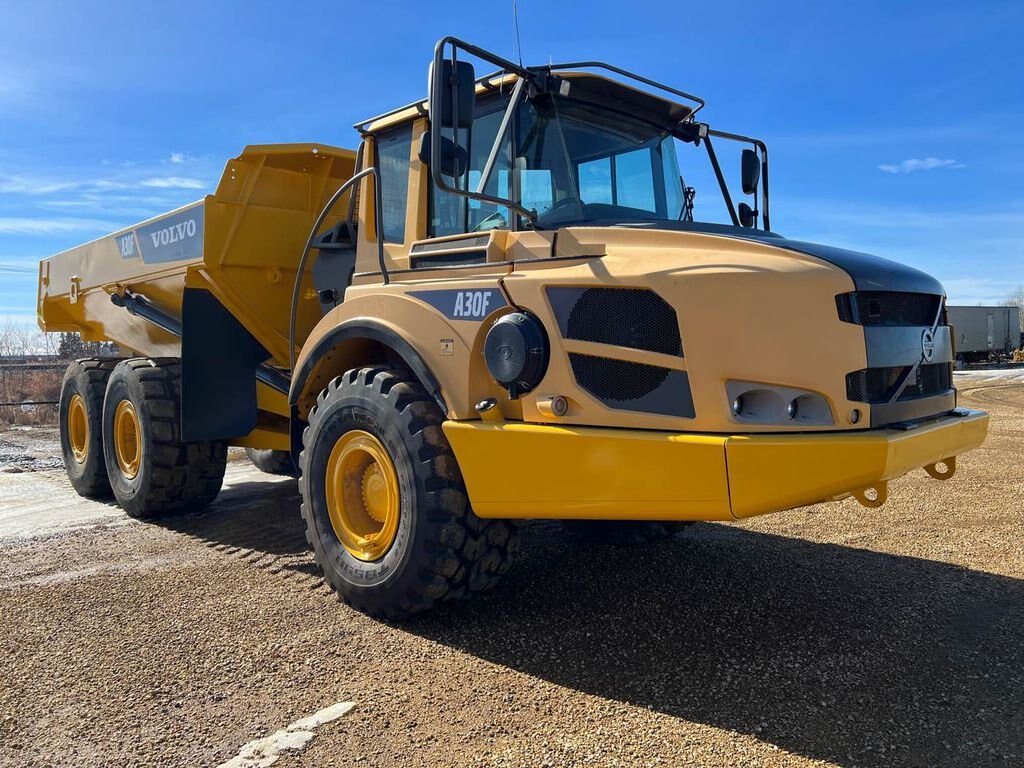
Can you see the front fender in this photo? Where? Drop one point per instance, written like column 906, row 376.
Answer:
column 380, row 325
column 361, row 329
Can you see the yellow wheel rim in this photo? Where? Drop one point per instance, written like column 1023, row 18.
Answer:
column 362, row 495
column 127, row 439
column 78, row 429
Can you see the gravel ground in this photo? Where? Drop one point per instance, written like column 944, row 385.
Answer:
column 29, row 449
column 831, row 635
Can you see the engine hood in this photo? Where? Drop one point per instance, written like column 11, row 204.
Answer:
column 868, row 272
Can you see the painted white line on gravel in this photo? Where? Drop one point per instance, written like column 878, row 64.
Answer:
column 264, row 752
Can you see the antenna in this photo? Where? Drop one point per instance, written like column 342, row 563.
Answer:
column 517, row 45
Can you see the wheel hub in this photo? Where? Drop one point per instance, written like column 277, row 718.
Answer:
column 375, row 492
column 78, row 429
column 362, row 495
column 127, row 439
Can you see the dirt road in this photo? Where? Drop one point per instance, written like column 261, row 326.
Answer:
column 832, row 635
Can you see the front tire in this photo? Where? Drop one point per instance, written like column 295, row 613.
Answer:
column 384, row 503
column 151, row 470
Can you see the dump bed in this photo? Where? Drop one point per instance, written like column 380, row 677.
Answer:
column 242, row 244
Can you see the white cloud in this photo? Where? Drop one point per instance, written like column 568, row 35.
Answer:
column 28, row 185
column 913, row 164
column 173, row 182
column 32, row 226
column 179, row 158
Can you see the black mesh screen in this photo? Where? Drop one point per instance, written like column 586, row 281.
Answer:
column 627, row 317
column 608, row 379
column 890, row 308
column 877, row 385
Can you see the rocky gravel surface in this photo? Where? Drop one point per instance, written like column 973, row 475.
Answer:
column 830, row 635
column 29, row 449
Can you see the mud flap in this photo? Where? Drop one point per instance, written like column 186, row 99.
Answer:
column 218, row 370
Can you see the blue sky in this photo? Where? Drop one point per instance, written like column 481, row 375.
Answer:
column 894, row 127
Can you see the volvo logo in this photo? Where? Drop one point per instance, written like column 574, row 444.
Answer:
column 174, row 233
column 928, row 345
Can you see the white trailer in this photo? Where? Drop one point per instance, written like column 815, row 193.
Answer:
column 984, row 333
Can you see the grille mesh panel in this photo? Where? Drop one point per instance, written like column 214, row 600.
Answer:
column 626, row 317
column 889, row 308
column 621, row 380
column 447, row 245
column 877, row 385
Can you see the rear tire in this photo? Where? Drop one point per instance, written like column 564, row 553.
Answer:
column 272, row 462
column 152, row 472
column 81, row 433
column 437, row 548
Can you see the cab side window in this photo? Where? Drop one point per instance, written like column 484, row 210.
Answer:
column 394, row 148
column 452, row 214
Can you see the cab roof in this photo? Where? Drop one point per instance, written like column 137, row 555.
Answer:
column 585, row 86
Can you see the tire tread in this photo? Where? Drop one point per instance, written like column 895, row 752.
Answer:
column 466, row 554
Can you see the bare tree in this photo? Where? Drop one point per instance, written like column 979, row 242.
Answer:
column 1015, row 298
column 25, row 340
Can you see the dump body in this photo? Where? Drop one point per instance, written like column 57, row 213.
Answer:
column 981, row 332
column 241, row 244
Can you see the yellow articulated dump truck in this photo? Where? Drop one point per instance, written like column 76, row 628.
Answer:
column 500, row 306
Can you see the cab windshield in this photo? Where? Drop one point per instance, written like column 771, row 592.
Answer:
column 567, row 161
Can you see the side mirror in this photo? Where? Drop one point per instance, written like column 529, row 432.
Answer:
column 750, row 171
column 747, row 215
column 453, row 160
column 452, row 94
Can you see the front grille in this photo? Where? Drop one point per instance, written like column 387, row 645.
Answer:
column 634, row 386
column 626, row 317
column 889, row 308
column 608, row 379
column 878, row 385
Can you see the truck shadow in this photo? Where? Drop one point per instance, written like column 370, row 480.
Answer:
column 839, row 654
column 856, row 657
column 254, row 518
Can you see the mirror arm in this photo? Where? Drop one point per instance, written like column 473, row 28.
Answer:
column 721, row 180
column 506, row 120
column 435, row 135
column 764, row 185
column 480, row 53
column 764, row 167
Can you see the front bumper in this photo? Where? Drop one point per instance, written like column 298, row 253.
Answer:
column 518, row 470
